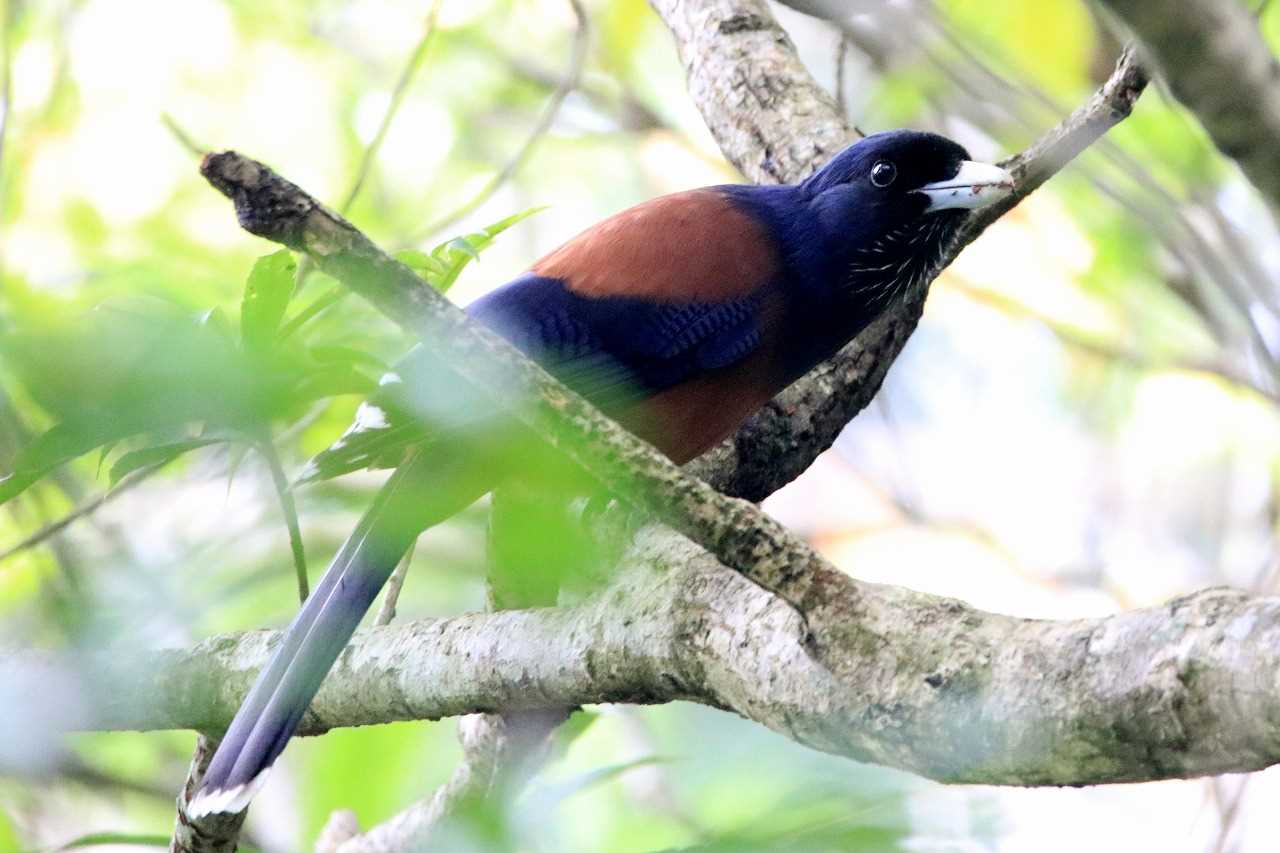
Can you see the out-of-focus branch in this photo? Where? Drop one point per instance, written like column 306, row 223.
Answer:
column 1085, row 343
column 407, row 74
column 86, row 509
column 569, row 82
column 1217, row 63
column 879, row 674
column 499, row 751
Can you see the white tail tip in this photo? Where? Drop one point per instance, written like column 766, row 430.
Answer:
column 225, row 800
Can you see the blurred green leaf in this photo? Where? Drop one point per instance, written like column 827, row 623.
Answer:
column 100, row 839
column 8, row 837
column 266, row 296
column 161, row 454
column 554, row 795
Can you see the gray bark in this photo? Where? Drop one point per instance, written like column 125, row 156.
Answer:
column 885, row 675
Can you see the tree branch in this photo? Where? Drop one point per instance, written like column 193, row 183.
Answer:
column 903, row 679
column 1218, row 64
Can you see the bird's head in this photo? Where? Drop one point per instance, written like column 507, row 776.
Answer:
column 898, row 177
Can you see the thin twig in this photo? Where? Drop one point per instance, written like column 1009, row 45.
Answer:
column 1085, row 343
column 842, row 61
column 394, row 584
column 182, row 136
column 407, row 73
column 568, row 83
column 289, row 509
column 397, row 97
column 91, row 506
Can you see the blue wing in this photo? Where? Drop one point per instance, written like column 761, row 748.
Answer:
column 612, row 350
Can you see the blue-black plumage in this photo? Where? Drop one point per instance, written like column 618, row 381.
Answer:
column 679, row 317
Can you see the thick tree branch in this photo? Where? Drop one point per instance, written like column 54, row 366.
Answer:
column 1218, row 64
column 904, row 679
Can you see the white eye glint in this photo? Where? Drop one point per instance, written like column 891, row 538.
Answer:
column 883, row 173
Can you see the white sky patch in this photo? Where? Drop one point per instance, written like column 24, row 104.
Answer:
column 417, row 144
column 118, row 46
column 44, row 257
column 34, row 69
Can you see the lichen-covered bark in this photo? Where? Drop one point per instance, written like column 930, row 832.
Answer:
column 886, row 675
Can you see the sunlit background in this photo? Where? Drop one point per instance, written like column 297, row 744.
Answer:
column 1085, row 421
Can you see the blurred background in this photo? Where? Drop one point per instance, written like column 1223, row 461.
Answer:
column 1086, row 420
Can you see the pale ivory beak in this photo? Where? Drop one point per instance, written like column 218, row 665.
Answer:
column 975, row 185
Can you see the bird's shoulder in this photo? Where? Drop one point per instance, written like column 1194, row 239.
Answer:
column 702, row 245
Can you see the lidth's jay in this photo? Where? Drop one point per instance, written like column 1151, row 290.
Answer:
column 680, row 317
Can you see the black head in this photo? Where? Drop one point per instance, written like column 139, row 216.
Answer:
column 888, row 179
column 885, row 208
column 875, row 225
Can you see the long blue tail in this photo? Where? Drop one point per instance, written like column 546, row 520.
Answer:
column 424, row 491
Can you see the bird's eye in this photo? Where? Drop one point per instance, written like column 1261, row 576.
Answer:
column 883, row 173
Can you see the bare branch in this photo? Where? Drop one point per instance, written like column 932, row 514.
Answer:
column 569, row 82
column 393, row 106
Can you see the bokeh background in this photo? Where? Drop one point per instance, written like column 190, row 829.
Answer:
column 1086, row 420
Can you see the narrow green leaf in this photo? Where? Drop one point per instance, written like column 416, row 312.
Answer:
column 333, row 354
column 266, row 296
column 161, row 454
column 98, row 839
column 446, row 261
column 462, row 244
column 420, row 262
column 503, row 224
column 62, row 443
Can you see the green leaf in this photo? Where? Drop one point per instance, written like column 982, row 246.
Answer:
column 501, row 225
column 446, row 261
column 266, row 296
column 98, row 839
column 420, row 262
column 161, row 454
column 333, row 354
column 60, row 444
column 462, row 244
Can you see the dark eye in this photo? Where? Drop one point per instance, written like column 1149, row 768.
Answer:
column 883, row 173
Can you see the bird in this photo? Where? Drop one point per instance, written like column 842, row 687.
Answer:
column 679, row 317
